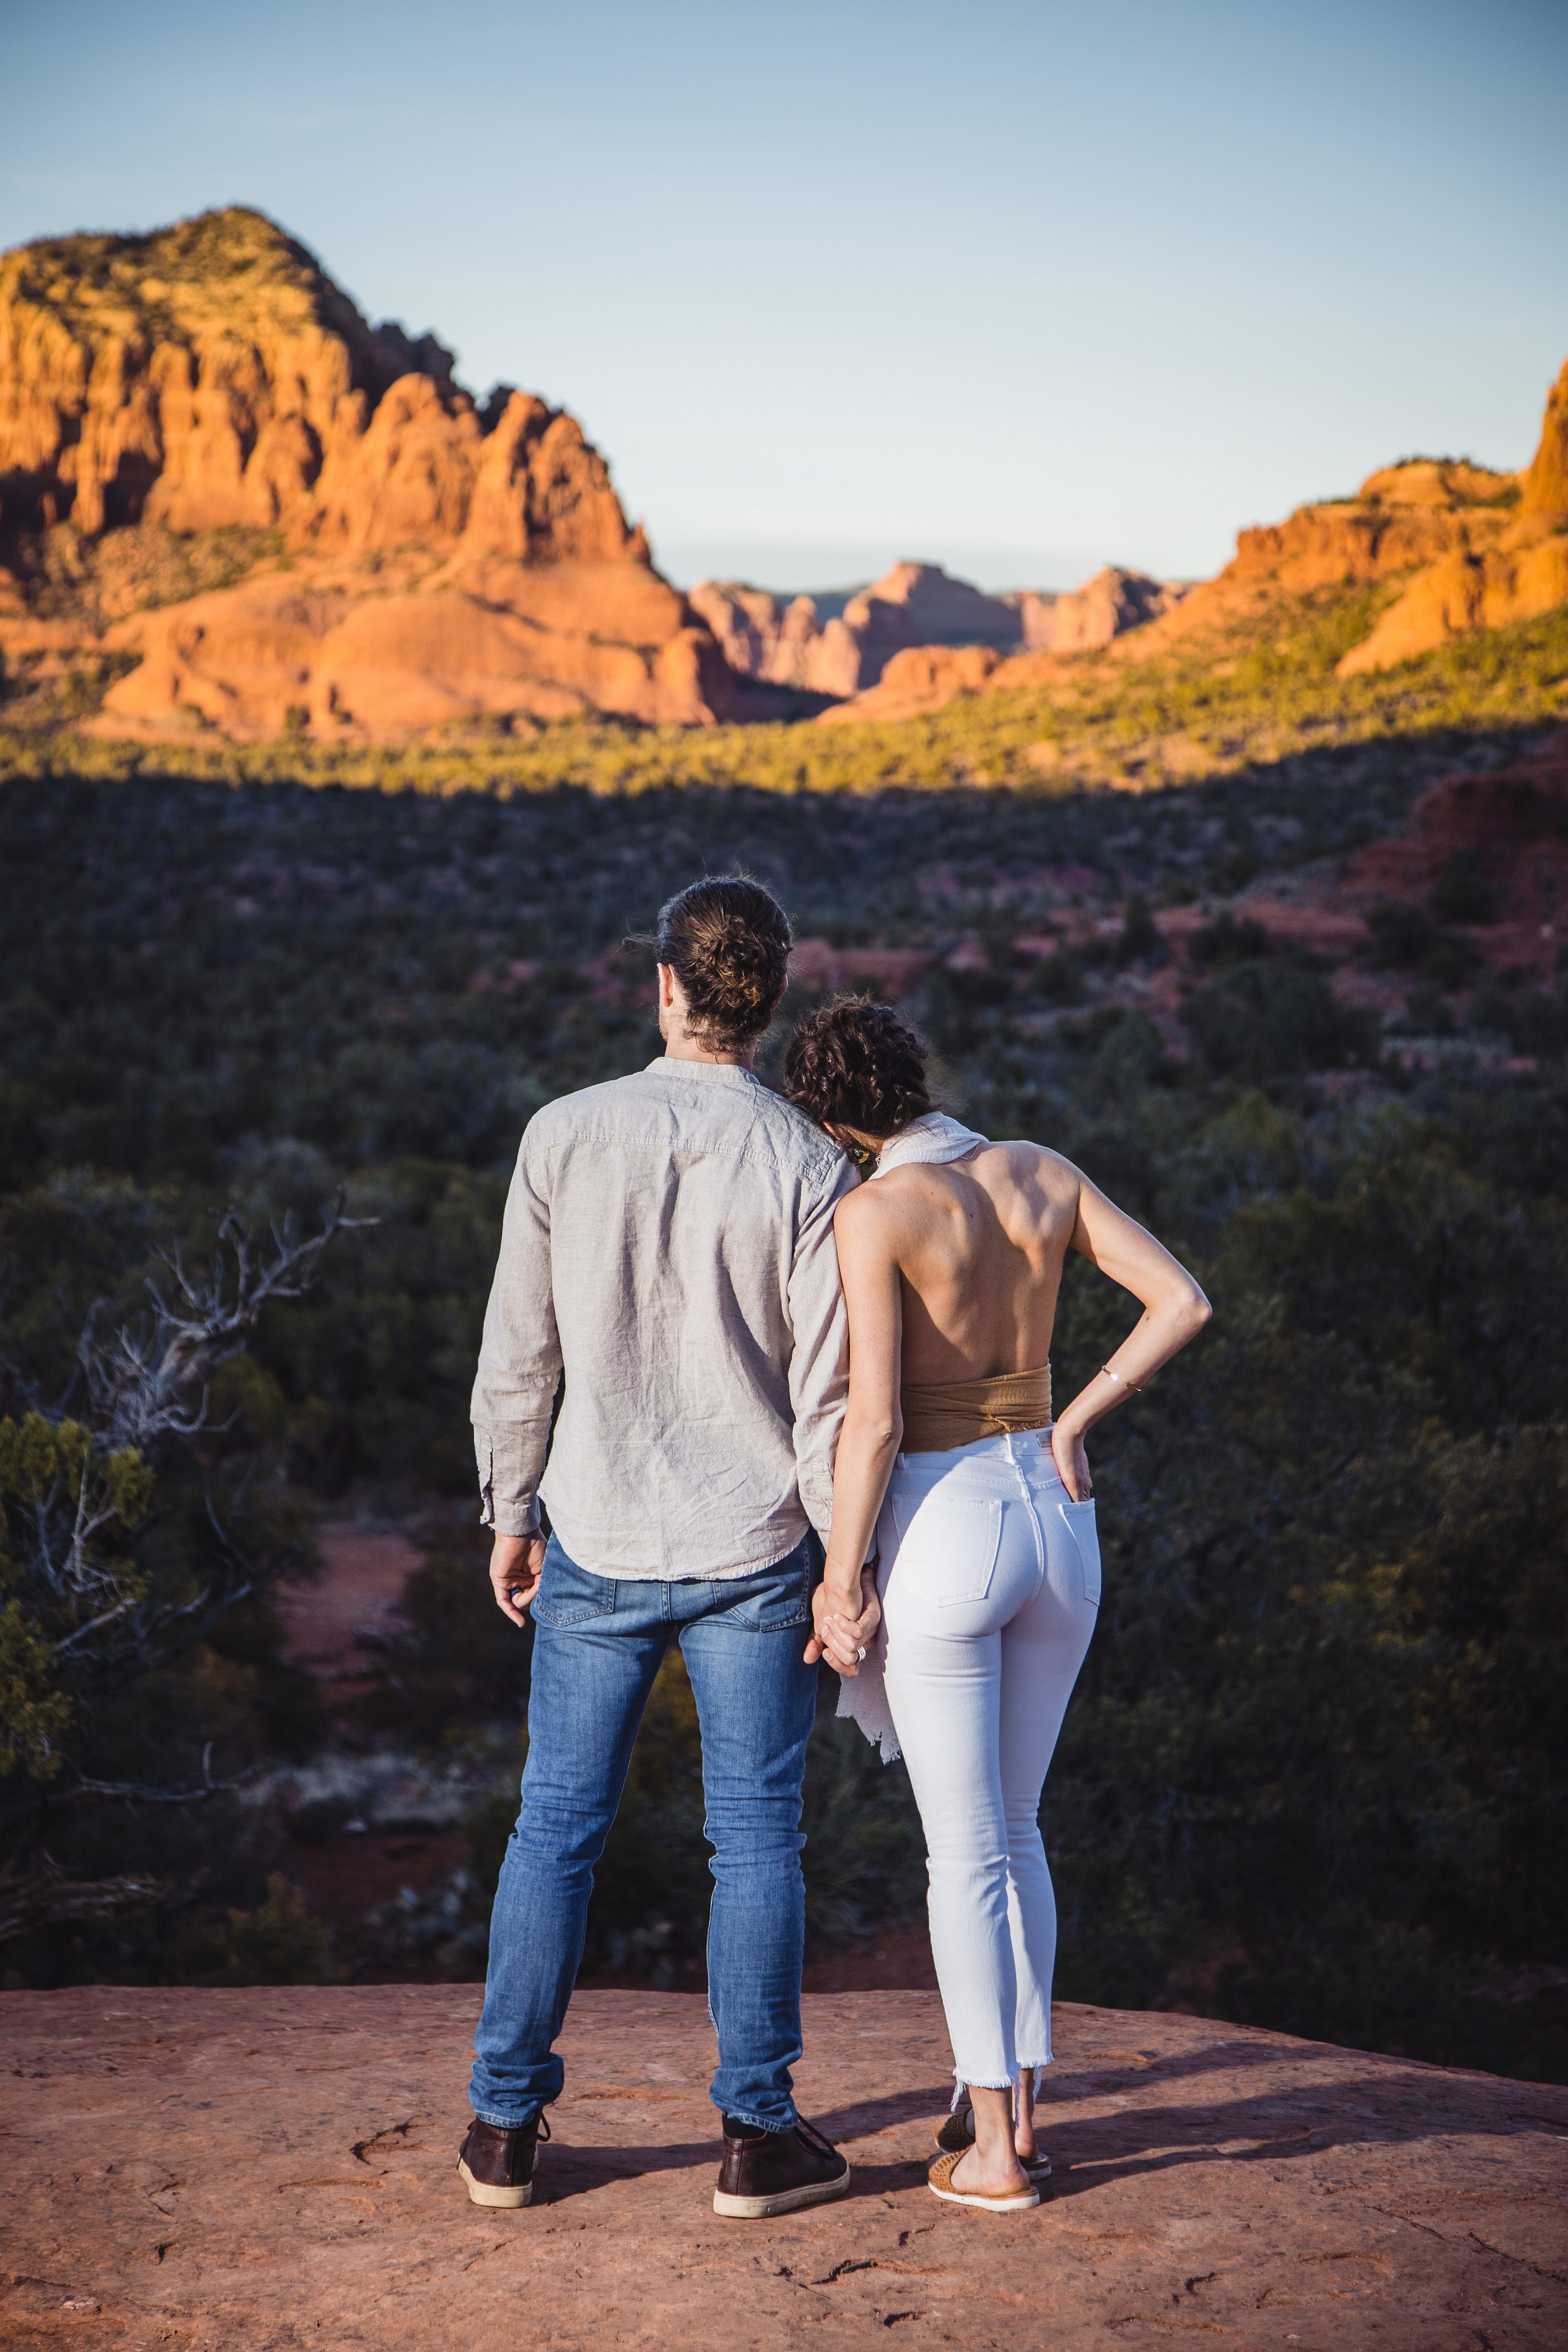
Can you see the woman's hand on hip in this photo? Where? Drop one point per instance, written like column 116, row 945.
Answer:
column 1072, row 1461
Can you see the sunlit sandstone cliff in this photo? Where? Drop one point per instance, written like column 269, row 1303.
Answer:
column 436, row 558
column 1468, row 549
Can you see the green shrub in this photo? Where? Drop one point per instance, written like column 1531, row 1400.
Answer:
column 281, row 1942
column 1274, row 1019
column 1462, row 894
column 1226, row 941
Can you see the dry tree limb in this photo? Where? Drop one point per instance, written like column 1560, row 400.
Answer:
column 139, row 1380
column 43, row 1897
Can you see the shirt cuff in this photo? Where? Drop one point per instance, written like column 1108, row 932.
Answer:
column 514, row 1515
column 511, row 1520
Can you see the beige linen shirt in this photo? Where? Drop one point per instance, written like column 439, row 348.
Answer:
column 669, row 1248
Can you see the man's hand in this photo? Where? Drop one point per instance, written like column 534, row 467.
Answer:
column 839, row 1636
column 515, row 1565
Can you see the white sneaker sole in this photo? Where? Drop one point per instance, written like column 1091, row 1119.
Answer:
column 786, row 2201
column 481, row 2193
column 1019, row 2203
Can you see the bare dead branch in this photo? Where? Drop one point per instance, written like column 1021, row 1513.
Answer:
column 141, row 1381
column 132, row 1793
column 44, row 1897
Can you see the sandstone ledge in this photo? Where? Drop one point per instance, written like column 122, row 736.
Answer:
column 265, row 2168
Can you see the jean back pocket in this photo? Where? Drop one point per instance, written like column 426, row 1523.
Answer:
column 768, row 1599
column 570, row 1595
column 948, row 1547
column 1084, row 1529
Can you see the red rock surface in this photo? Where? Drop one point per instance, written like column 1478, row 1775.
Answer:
column 273, row 2168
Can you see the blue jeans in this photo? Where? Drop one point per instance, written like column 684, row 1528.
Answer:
column 598, row 1644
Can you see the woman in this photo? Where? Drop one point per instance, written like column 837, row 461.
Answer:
column 976, row 1513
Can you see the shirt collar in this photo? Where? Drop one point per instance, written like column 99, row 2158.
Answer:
column 671, row 1066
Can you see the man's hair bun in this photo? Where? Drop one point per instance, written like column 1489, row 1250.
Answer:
column 728, row 944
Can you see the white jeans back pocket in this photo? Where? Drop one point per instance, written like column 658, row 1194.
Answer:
column 1084, row 1529
column 948, row 1547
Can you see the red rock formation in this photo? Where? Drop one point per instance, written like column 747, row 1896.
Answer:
column 1484, row 549
column 1543, row 486
column 1464, row 591
column 203, row 375
column 1105, row 607
column 1510, row 825
column 922, row 604
column 211, row 375
column 1513, row 571
column 494, row 640
column 920, row 678
column 782, row 645
column 914, row 604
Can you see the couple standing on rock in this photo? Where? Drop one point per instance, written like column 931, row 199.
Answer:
column 760, row 1355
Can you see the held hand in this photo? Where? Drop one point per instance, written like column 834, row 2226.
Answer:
column 837, row 1635
column 1073, row 1463
column 515, row 1565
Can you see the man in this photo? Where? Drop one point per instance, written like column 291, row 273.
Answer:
column 668, row 1254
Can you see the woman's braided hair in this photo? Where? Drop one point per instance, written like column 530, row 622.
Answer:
column 856, row 1064
column 728, row 944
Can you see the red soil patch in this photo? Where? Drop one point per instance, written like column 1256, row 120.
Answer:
column 360, row 1584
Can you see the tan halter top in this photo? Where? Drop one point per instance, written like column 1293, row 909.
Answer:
column 940, row 1414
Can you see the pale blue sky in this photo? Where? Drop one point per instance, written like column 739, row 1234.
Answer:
column 1024, row 288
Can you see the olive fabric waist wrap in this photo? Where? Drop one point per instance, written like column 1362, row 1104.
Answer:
column 942, row 1414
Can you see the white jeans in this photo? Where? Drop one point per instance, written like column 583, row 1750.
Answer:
column 990, row 1584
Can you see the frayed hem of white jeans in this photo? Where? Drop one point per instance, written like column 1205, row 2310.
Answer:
column 1033, row 2071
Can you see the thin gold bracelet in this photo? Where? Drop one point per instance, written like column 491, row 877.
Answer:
column 1133, row 1388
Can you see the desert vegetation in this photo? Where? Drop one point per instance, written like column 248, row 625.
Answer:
column 1259, row 690
column 1315, row 1774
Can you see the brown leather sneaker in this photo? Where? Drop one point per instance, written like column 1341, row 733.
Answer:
column 778, row 2172
column 497, row 2166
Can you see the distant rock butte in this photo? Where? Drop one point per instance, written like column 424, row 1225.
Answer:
column 920, row 678
column 210, row 375
column 787, row 644
column 1104, row 608
column 917, row 637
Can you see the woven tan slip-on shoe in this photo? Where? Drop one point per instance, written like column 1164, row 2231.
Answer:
column 778, row 2172
column 938, row 2181
column 958, row 2132
column 496, row 2167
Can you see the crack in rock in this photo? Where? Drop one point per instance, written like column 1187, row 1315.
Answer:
column 393, row 2131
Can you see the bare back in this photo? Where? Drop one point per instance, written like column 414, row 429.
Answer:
column 952, row 1270
column 980, row 1245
